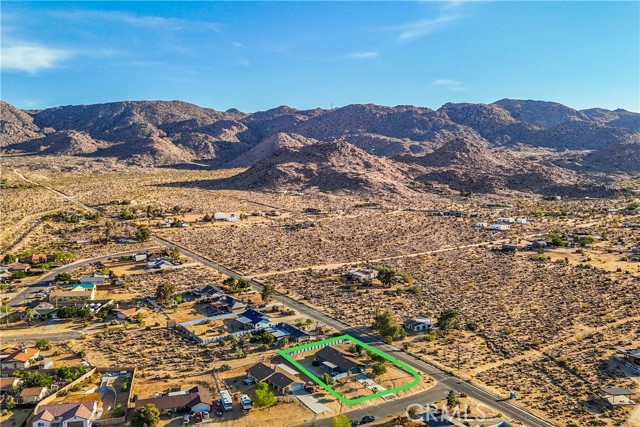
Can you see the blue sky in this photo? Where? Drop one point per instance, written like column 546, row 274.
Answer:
column 255, row 56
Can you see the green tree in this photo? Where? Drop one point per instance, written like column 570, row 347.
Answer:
column 126, row 214
column 146, row 416
column 143, row 234
column 263, row 396
column 38, row 379
column 326, row 378
column 449, row 319
column 63, row 277
column 9, row 258
column 63, row 256
column 452, row 400
column 29, row 314
column 387, row 326
column 67, row 312
column 340, row 421
column 379, row 369
column 43, row 345
column 267, row 291
column 165, row 291
column 17, row 275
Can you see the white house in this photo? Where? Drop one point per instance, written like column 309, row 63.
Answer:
column 96, row 279
column 499, row 227
column 15, row 358
column 481, row 224
column 522, row 221
column 417, row 324
column 506, row 220
column 139, row 257
column 362, row 275
column 65, row 415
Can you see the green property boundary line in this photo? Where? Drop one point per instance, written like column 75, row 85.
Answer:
column 303, row 347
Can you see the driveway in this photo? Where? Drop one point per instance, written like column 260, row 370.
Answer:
column 310, row 402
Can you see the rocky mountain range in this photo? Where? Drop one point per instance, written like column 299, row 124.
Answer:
column 476, row 147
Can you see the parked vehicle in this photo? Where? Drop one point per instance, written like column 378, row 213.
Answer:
column 367, row 419
column 246, row 402
column 186, row 419
column 248, row 381
column 198, row 417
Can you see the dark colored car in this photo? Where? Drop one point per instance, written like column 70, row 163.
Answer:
column 368, row 419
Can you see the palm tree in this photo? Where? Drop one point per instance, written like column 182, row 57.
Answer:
column 29, row 314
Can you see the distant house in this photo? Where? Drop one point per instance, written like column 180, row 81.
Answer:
column 418, row 324
column 522, row 221
column 539, row 244
column 161, row 264
column 127, row 313
column 506, row 220
column 209, row 291
column 254, row 319
column 35, row 259
column 195, row 399
column 631, row 356
column 335, row 362
column 77, row 294
column 46, row 364
column 499, row 227
column 95, row 278
column 222, row 216
column 32, row 394
column 508, row 247
column 293, row 333
column 482, row 224
column 65, row 415
column 139, row 257
column 229, row 304
column 363, row 275
column 18, row 266
column 14, row 358
column 8, row 384
column 45, row 310
column 618, row 396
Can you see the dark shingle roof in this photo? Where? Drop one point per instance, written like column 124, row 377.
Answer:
column 260, row 372
column 336, row 357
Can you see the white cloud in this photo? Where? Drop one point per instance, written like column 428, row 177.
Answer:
column 362, row 55
column 31, row 58
column 142, row 21
column 414, row 30
column 451, row 85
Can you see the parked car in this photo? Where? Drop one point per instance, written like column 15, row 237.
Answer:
column 355, row 423
column 248, row 381
column 186, row 419
column 198, row 417
column 367, row 419
column 205, row 414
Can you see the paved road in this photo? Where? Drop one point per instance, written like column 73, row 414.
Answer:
column 43, row 282
column 445, row 381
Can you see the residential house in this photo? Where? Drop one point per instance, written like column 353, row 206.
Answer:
column 285, row 383
column 522, row 221
column 46, row 364
column 229, row 304
column 499, row 227
column 208, row 291
column 35, row 259
column 78, row 294
column 32, row 394
column 14, row 358
column 281, row 381
column 292, row 333
column 363, row 275
column 139, row 257
column 506, row 220
column 45, row 310
column 65, row 415
column 482, row 224
column 254, row 319
column 195, row 399
column 95, row 278
column 508, row 247
column 418, row 324
column 162, row 264
column 260, row 372
column 631, row 356
column 335, row 362
column 618, row 396
column 18, row 266
column 127, row 313
column 8, row 384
